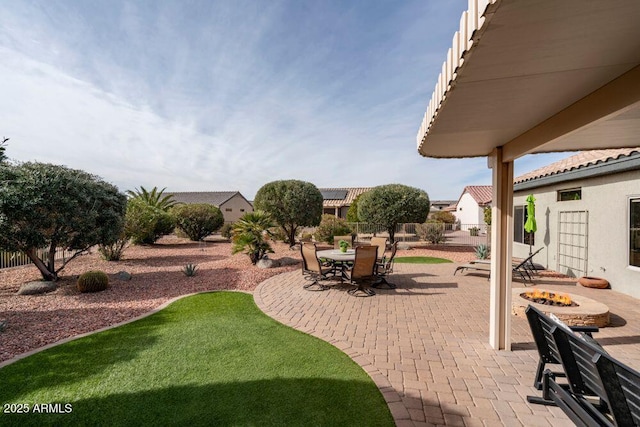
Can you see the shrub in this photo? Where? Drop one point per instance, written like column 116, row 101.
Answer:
column 198, row 220
column 329, row 227
column 444, row 216
column 226, row 230
column 145, row 223
column 114, row 251
column 93, row 281
column 431, row 231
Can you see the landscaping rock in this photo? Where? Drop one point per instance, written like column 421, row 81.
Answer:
column 123, row 275
column 266, row 263
column 35, row 288
column 404, row 246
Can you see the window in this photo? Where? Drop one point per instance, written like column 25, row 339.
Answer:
column 571, row 194
column 634, row 232
column 228, row 210
column 519, row 219
column 241, row 210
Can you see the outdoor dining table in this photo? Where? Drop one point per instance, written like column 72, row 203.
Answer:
column 338, row 258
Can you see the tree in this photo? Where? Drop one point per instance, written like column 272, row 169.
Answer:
column 292, row 204
column 3, row 155
column 249, row 234
column 50, row 206
column 153, row 198
column 389, row 205
column 352, row 212
column 198, row 220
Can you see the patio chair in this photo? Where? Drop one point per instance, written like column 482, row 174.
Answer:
column 381, row 244
column 336, row 241
column 384, row 268
column 362, row 270
column 312, row 269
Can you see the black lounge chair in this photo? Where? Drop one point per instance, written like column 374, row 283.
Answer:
column 541, row 328
column 600, row 390
column 384, row 268
column 362, row 270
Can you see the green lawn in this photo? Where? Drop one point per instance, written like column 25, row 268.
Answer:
column 421, row 260
column 209, row 359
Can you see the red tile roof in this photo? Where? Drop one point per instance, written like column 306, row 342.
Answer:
column 580, row 160
column 482, row 194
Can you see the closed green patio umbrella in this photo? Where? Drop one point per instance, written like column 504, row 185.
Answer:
column 530, row 225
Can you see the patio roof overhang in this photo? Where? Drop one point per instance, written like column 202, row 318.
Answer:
column 533, row 76
column 537, row 76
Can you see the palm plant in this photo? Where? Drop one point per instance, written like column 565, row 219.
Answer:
column 153, row 198
column 3, row 156
column 249, row 234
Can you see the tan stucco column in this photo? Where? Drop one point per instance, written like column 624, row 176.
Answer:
column 501, row 244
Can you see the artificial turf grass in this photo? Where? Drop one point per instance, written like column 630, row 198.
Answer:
column 208, row 359
column 421, row 260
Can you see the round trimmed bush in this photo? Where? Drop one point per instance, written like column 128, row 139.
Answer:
column 93, row 281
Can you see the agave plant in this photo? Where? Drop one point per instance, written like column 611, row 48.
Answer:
column 482, row 251
column 249, row 235
column 189, row 270
column 153, row 198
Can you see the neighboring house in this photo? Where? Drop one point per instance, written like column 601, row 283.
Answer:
column 470, row 207
column 336, row 201
column 587, row 215
column 232, row 204
column 442, row 205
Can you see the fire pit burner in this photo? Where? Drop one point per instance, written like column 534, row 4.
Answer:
column 549, row 298
column 585, row 312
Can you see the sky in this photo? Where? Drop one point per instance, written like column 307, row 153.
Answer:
column 230, row 95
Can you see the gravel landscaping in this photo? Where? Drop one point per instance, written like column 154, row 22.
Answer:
column 37, row 320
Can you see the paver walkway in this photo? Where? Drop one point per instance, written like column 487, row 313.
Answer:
column 426, row 344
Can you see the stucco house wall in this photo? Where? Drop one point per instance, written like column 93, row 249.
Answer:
column 468, row 212
column 606, row 201
column 235, row 207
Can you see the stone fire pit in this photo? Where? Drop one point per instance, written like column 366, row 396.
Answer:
column 587, row 313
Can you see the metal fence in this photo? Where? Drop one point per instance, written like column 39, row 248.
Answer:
column 450, row 234
column 16, row 259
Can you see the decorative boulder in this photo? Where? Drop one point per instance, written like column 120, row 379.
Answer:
column 123, row 275
column 265, row 263
column 38, row 287
column 403, row 246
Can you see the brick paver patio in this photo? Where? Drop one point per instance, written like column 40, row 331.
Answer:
column 426, row 346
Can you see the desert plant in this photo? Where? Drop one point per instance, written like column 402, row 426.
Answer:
column 431, row 231
column 93, row 281
column 344, row 245
column 226, row 230
column 189, row 270
column 482, row 251
column 329, row 227
column 249, row 235
column 474, row 231
column 153, row 198
column 197, row 220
